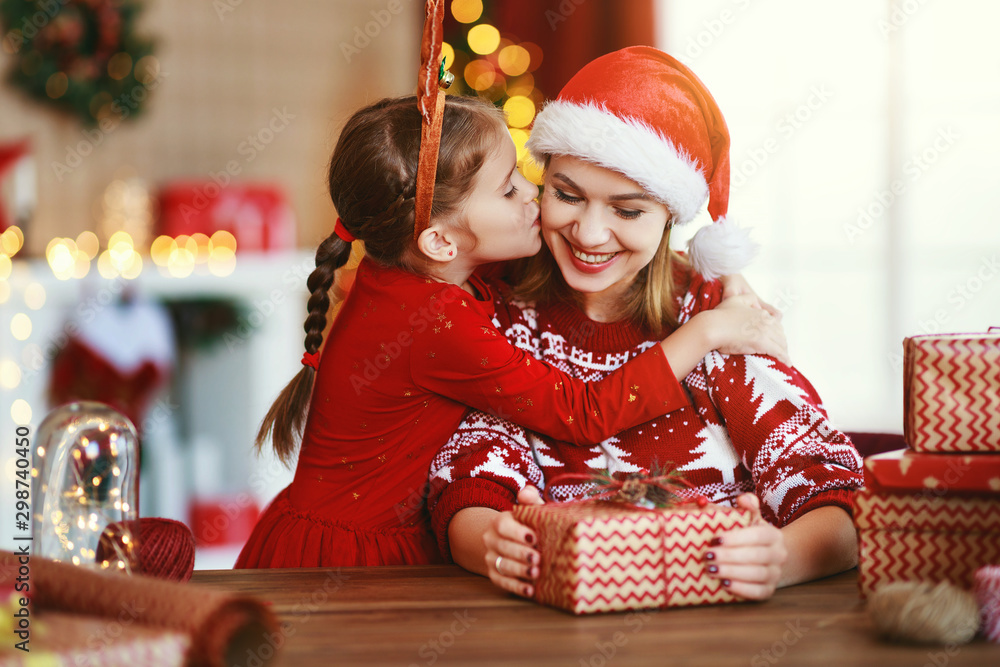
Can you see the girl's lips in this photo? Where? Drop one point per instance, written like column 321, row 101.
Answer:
column 586, row 267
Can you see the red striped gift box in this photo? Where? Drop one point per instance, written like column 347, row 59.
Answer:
column 607, row 556
column 924, row 536
column 951, row 388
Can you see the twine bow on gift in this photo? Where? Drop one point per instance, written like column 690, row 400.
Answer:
column 659, row 489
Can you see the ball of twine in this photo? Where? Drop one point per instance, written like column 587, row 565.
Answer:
column 924, row 613
column 166, row 547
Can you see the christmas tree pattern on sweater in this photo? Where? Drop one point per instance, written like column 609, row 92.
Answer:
column 753, row 424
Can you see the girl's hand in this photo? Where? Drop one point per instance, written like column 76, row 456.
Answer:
column 511, row 562
column 742, row 328
column 748, row 560
column 737, row 285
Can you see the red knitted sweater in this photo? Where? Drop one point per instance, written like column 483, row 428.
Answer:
column 753, row 424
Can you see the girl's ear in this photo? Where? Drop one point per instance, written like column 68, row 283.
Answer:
column 438, row 243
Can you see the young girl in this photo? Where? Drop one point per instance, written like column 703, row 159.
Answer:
column 414, row 344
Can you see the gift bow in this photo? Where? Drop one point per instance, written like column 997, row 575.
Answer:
column 633, row 489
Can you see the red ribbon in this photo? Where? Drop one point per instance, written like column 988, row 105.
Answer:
column 342, row 232
column 311, row 359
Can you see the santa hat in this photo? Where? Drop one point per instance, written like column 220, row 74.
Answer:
column 645, row 115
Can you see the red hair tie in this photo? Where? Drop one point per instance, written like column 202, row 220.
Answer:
column 311, row 359
column 342, row 232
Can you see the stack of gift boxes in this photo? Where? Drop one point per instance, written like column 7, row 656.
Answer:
column 932, row 512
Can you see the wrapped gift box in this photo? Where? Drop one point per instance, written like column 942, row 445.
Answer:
column 607, row 556
column 257, row 214
column 927, row 517
column 951, row 391
column 907, row 470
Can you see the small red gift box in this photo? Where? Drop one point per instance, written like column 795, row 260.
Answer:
column 908, row 470
column 927, row 517
column 258, row 215
column 609, row 556
column 951, row 392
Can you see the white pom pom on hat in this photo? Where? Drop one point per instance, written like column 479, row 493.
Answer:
column 644, row 114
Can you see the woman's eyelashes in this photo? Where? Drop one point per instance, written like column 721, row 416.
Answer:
column 623, row 213
column 510, row 193
column 627, row 214
column 562, row 196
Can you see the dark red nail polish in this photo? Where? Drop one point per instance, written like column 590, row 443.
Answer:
column 529, row 538
column 715, row 542
column 726, row 583
column 531, row 559
column 713, row 569
column 710, row 555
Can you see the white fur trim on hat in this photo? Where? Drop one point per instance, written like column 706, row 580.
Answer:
column 628, row 146
column 720, row 249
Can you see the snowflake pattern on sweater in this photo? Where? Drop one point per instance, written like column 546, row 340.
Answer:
column 753, row 425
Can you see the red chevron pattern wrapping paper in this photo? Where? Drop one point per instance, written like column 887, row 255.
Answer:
column 907, row 470
column 951, row 392
column 603, row 556
column 987, row 587
column 924, row 537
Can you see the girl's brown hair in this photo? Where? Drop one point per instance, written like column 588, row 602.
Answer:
column 372, row 182
column 650, row 302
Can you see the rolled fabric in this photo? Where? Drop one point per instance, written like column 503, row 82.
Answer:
column 987, row 589
column 225, row 629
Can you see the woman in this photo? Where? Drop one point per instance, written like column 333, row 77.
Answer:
column 623, row 165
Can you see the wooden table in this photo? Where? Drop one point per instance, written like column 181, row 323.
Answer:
column 442, row 615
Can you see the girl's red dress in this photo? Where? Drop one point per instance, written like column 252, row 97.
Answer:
column 403, row 360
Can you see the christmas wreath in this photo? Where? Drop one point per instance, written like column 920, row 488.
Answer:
column 81, row 56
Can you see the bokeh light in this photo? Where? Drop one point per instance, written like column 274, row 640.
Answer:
column 88, row 243
column 20, row 326
column 479, row 74
column 34, row 296
column 20, row 412
column 10, row 374
column 514, row 60
column 484, row 39
column 448, row 53
column 467, row 11
column 520, row 111
column 6, row 266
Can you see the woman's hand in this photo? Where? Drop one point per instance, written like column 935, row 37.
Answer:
column 737, row 285
column 511, row 562
column 738, row 327
column 748, row 560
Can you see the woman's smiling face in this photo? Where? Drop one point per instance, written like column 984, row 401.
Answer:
column 601, row 227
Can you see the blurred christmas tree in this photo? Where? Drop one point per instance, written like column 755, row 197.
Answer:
column 496, row 66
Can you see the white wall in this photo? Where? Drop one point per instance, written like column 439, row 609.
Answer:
column 829, row 105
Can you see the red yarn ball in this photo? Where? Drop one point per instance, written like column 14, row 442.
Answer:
column 166, row 547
